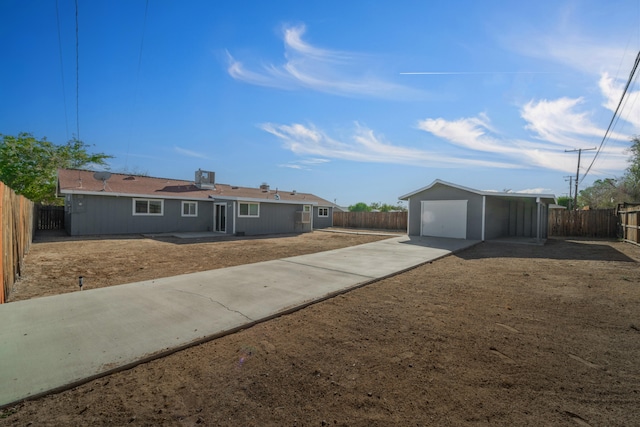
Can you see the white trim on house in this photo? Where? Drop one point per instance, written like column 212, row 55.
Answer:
column 137, row 196
column 190, row 203
column 259, row 200
column 248, row 214
column 148, row 213
column 215, row 198
column 551, row 197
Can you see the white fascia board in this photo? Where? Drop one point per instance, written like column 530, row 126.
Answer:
column 479, row 192
column 257, row 200
column 439, row 181
column 132, row 195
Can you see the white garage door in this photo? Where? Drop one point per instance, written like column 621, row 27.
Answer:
column 444, row 218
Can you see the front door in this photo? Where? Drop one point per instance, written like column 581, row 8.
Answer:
column 220, row 217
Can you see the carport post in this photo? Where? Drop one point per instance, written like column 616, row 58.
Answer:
column 539, row 219
column 484, row 206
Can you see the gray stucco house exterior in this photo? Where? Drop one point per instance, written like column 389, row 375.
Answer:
column 443, row 209
column 105, row 203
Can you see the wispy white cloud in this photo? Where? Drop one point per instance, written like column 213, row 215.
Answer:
column 537, row 190
column 557, row 121
column 190, row 153
column 364, row 145
column 568, row 43
column 630, row 107
column 304, row 164
column 308, row 67
column 555, row 125
column 292, row 166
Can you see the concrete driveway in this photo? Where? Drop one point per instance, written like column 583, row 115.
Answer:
column 53, row 343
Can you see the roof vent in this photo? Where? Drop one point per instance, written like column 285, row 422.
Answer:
column 264, row 187
column 205, row 179
column 294, row 192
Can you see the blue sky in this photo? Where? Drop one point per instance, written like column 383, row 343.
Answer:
column 320, row 96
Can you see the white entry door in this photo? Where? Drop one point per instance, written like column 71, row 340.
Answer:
column 444, row 218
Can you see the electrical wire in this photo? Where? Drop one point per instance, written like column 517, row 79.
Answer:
column 77, row 77
column 137, row 85
column 64, row 91
column 615, row 114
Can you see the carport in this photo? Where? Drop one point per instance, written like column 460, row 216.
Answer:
column 443, row 209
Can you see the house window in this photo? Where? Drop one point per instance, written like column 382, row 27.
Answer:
column 148, row 207
column 189, row 208
column 323, row 211
column 249, row 209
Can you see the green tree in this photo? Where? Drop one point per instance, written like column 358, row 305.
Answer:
column 29, row 165
column 565, row 201
column 631, row 180
column 603, row 193
column 388, row 208
column 607, row 193
column 359, row 207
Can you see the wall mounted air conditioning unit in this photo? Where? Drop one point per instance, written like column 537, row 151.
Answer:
column 303, row 217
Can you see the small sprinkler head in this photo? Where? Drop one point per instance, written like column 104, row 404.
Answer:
column 80, row 281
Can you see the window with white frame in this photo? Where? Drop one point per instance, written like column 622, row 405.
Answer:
column 148, row 207
column 249, row 209
column 323, row 211
column 189, row 208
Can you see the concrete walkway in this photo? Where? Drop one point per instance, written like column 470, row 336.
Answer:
column 52, row 343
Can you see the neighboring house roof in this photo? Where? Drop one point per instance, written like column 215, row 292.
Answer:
column 76, row 181
column 546, row 198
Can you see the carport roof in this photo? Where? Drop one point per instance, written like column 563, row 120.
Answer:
column 545, row 198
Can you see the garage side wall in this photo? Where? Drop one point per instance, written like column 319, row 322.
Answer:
column 443, row 192
column 90, row 215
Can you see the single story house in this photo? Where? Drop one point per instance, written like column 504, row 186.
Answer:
column 443, row 209
column 106, row 203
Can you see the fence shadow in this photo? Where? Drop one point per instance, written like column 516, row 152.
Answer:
column 559, row 249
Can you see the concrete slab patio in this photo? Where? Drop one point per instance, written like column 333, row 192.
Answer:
column 52, row 343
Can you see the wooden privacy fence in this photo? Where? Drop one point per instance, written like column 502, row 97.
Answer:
column 371, row 220
column 629, row 224
column 16, row 221
column 592, row 223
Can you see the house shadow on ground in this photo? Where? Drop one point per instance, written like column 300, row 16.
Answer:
column 45, row 236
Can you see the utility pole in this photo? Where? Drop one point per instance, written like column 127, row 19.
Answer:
column 579, row 150
column 570, row 189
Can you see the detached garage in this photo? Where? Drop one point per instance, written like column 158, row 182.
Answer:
column 443, row 209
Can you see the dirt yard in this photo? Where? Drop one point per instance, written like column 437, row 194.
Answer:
column 498, row 334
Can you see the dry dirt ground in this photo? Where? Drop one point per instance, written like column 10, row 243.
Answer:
column 498, row 334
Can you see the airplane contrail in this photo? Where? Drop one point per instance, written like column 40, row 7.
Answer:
column 476, row 72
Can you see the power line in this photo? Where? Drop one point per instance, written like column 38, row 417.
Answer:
column 64, row 91
column 615, row 114
column 77, row 77
column 135, row 96
column 579, row 150
column 570, row 187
